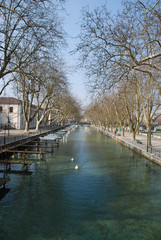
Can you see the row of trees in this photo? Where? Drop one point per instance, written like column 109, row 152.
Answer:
column 122, row 56
column 129, row 106
column 31, row 36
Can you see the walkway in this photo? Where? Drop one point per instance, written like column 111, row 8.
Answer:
column 156, row 142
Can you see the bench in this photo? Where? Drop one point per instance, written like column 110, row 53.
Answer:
column 138, row 141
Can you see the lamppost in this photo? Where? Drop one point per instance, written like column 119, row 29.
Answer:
column 4, row 134
column 147, row 146
column 8, row 125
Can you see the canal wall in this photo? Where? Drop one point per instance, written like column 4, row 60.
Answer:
column 140, row 150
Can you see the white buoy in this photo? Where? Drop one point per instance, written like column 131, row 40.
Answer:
column 76, row 167
column 72, row 159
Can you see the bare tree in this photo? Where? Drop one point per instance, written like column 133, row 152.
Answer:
column 52, row 84
column 26, row 28
column 66, row 109
column 92, row 113
column 151, row 102
column 130, row 96
column 27, row 88
column 114, row 48
column 111, row 47
column 39, row 89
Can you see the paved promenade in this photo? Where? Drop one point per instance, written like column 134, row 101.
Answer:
column 156, row 141
column 154, row 153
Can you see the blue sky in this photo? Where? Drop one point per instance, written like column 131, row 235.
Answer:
column 72, row 27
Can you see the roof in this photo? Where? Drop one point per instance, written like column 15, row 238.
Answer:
column 12, row 100
column 9, row 100
column 159, row 117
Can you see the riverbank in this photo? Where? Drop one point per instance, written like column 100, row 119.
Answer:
column 140, row 145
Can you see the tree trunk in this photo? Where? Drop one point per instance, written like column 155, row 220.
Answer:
column 133, row 135
column 27, row 126
column 149, row 135
column 130, row 128
column 123, row 131
column 137, row 132
column 37, row 125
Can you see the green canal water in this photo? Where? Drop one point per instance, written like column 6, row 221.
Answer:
column 114, row 195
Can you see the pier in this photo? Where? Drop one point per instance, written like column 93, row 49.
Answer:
column 14, row 145
column 21, row 150
column 8, row 163
column 25, row 153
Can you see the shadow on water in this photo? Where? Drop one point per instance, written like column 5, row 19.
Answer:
column 19, row 172
column 3, row 192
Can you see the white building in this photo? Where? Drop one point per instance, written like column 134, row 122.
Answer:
column 11, row 113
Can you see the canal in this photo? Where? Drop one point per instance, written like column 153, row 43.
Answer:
column 114, row 195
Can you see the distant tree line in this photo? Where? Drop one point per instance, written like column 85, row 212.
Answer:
column 122, row 56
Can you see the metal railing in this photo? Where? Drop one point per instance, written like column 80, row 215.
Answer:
column 155, row 151
column 6, row 138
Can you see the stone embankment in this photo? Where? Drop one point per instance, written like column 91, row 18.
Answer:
column 139, row 145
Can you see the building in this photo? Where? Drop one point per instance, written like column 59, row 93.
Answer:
column 11, row 113
column 158, row 121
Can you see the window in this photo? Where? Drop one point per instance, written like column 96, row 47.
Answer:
column 1, row 108
column 11, row 109
column 10, row 121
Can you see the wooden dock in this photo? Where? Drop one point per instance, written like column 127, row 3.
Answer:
column 25, row 153
column 46, row 142
column 41, row 146
column 16, row 162
column 24, row 164
column 12, row 147
column 35, row 146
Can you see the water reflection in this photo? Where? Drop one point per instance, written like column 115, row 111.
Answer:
column 115, row 194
